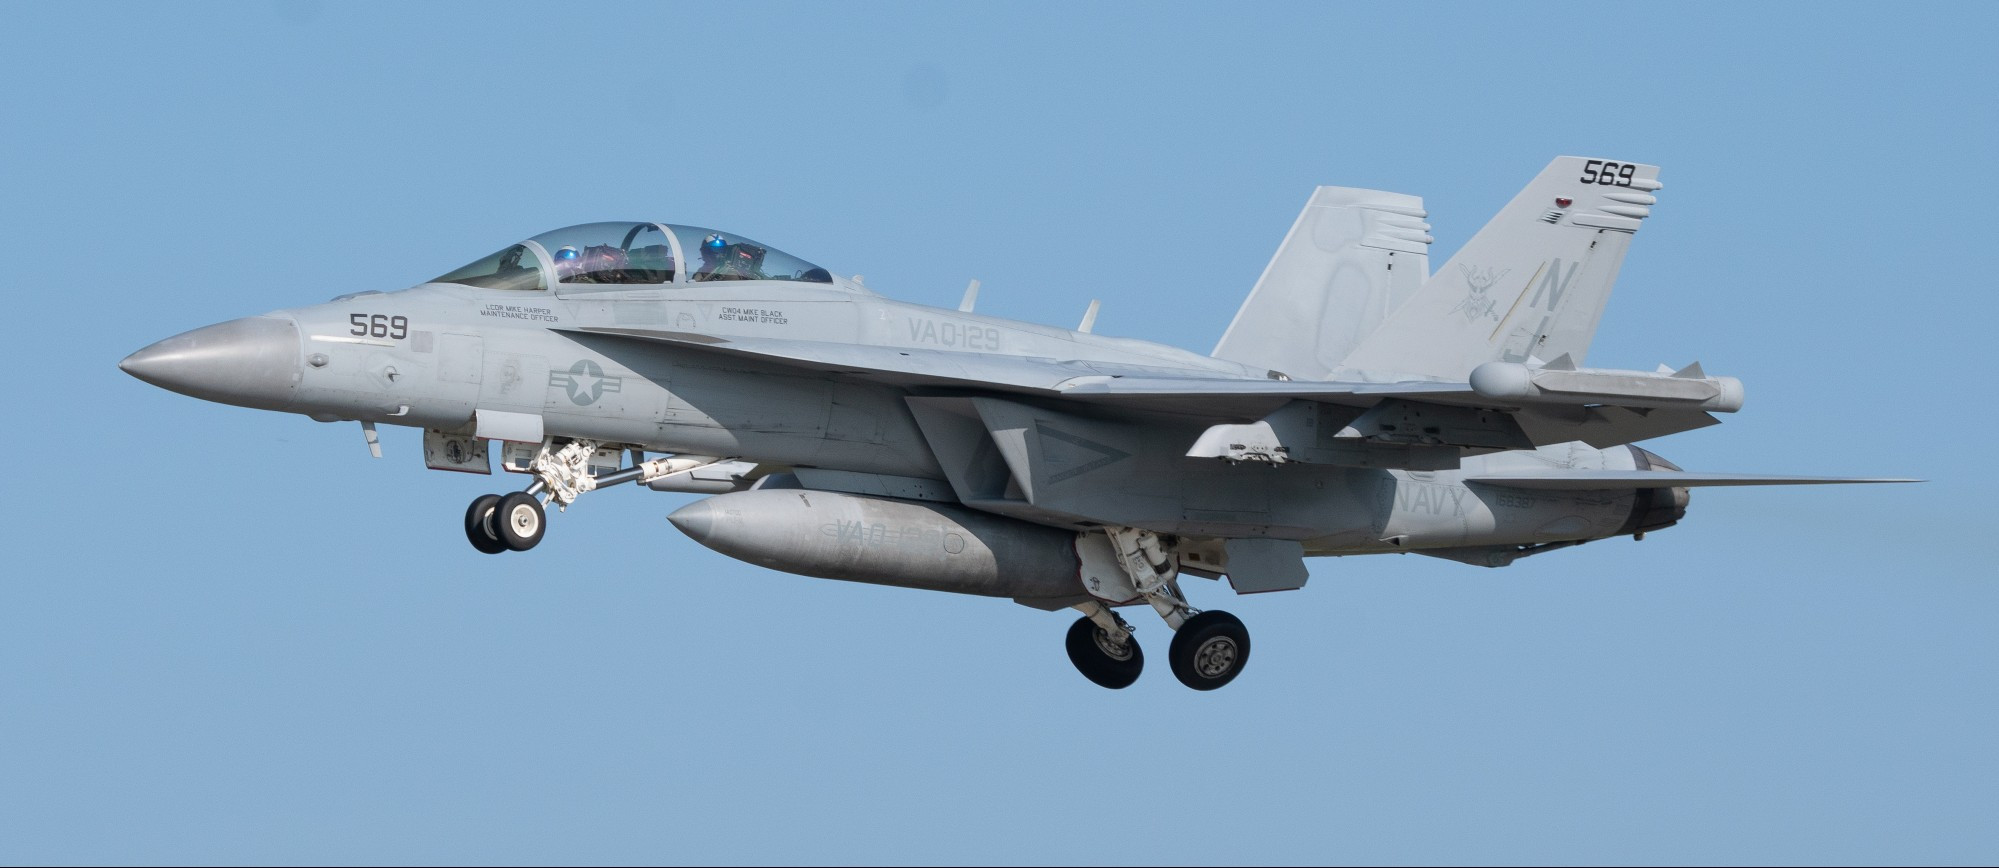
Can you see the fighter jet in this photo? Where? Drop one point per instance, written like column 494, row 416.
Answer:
column 1358, row 404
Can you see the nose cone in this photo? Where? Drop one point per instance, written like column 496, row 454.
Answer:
column 696, row 519
column 249, row 362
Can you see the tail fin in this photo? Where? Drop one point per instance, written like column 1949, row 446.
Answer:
column 1532, row 283
column 1349, row 260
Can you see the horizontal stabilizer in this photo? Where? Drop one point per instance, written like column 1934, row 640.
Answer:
column 1590, row 480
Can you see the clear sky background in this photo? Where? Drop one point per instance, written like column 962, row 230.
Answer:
column 231, row 636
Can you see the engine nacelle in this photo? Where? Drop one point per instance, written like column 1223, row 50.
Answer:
column 1654, row 508
column 909, row 544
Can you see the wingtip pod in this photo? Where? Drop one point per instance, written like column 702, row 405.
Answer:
column 1512, row 381
column 1504, row 381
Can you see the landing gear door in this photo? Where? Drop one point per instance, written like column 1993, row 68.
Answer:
column 461, row 452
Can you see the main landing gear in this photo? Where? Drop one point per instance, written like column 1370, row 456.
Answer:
column 515, row 522
column 1208, row 649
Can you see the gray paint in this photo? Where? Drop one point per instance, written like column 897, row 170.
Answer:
column 888, row 542
column 1037, row 432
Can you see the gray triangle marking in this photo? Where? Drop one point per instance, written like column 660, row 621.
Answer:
column 1111, row 455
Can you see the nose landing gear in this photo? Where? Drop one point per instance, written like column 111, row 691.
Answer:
column 496, row 523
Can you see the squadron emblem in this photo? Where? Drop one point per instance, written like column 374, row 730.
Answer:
column 1477, row 303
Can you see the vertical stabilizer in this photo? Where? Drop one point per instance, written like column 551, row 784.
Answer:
column 1350, row 259
column 1530, row 285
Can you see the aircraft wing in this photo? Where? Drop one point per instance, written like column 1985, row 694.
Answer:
column 1397, row 411
column 1581, row 480
column 1106, row 382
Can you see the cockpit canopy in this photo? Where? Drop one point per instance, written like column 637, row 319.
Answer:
column 630, row 255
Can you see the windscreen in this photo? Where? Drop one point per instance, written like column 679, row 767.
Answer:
column 515, row 267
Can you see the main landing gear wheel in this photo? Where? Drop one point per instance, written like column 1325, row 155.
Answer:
column 519, row 521
column 479, row 524
column 1101, row 660
column 1209, row 650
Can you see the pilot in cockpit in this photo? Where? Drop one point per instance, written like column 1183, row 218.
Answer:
column 713, row 248
column 721, row 260
column 596, row 263
column 567, row 263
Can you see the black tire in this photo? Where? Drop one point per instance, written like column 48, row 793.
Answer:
column 519, row 521
column 1095, row 657
column 1209, row 650
column 478, row 524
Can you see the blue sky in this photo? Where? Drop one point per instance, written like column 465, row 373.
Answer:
column 230, row 636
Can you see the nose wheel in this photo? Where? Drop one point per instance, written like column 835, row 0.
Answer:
column 479, row 524
column 496, row 523
column 519, row 521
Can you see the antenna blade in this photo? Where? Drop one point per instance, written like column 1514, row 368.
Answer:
column 1090, row 317
column 971, row 297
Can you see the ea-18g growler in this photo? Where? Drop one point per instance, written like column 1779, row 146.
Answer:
column 1358, row 404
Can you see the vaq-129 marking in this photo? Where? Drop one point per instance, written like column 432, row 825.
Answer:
column 1358, row 404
